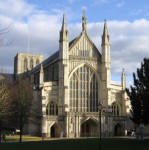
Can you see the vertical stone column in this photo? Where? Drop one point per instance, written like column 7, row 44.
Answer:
column 67, row 126
column 44, row 120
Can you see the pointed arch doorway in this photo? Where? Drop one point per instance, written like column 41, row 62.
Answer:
column 89, row 128
column 118, row 130
column 54, row 130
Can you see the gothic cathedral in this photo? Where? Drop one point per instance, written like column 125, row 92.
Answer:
column 71, row 83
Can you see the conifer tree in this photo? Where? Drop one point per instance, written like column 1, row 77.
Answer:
column 139, row 94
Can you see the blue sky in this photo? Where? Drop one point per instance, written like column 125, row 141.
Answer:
column 40, row 21
column 98, row 10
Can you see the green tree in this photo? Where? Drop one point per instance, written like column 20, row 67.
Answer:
column 139, row 94
column 22, row 96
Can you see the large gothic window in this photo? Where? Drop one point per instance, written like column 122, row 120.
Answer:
column 52, row 109
column 115, row 109
column 83, row 91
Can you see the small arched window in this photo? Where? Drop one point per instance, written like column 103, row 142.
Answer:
column 31, row 64
column 52, row 109
column 25, row 64
column 115, row 109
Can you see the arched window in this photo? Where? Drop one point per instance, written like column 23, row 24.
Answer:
column 83, row 91
column 37, row 62
column 52, row 109
column 31, row 64
column 115, row 109
column 25, row 64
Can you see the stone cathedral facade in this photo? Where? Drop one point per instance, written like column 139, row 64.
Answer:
column 71, row 83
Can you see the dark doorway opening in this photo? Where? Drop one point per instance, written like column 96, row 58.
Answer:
column 54, row 131
column 118, row 130
column 89, row 129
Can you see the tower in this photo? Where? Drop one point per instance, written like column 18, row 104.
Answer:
column 105, row 45
column 106, row 61
column 63, row 41
column 123, row 84
column 63, row 68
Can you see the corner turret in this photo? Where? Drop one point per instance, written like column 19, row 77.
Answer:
column 106, row 60
column 63, row 41
column 123, row 79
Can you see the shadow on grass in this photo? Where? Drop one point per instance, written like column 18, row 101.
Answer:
column 79, row 144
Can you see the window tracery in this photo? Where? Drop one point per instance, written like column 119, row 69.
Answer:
column 83, row 91
column 52, row 109
column 115, row 109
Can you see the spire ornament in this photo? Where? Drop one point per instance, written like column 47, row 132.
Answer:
column 83, row 21
column 123, row 79
column 64, row 31
column 105, row 36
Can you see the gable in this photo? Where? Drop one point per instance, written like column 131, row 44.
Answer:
column 83, row 46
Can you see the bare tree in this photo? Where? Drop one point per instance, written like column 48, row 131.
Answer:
column 4, row 31
column 22, row 96
column 4, row 104
column 36, row 114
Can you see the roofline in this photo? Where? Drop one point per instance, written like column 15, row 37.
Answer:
column 77, row 39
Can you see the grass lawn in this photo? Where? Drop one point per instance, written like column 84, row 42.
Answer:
column 24, row 138
column 79, row 144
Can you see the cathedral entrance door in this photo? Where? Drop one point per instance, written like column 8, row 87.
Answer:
column 118, row 130
column 89, row 129
column 54, row 131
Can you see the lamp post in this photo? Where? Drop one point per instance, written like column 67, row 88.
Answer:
column 100, row 107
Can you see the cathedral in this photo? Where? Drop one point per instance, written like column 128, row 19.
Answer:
column 72, row 83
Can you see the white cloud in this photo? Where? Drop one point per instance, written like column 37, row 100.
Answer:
column 116, row 82
column 15, row 8
column 120, row 4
